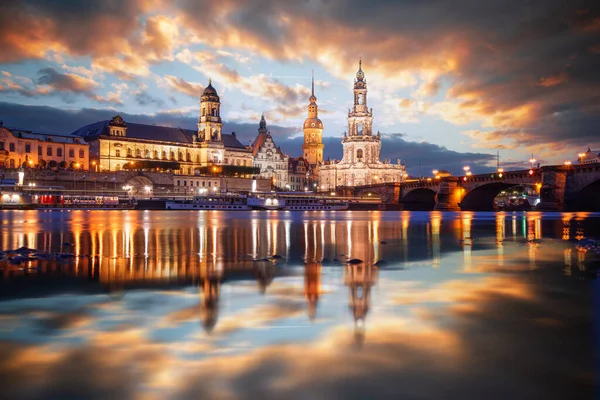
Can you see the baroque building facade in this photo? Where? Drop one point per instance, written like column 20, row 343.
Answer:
column 361, row 163
column 273, row 163
column 300, row 175
column 22, row 148
column 116, row 144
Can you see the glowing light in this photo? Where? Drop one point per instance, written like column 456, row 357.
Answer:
column 567, row 163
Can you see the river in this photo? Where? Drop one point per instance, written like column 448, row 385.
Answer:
column 298, row 305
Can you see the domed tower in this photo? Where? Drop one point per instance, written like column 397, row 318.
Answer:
column 313, row 132
column 210, row 127
column 360, row 118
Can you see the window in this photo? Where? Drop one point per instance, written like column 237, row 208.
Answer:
column 203, row 112
column 1, row 145
column 164, row 155
column 180, row 156
column 226, row 160
column 59, row 152
column 12, row 163
column 178, row 182
column 81, row 153
column 359, row 154
column 147, row 153
column 27, row 148
column 49, row 151
column 188, row 157
column 214, row 112
column 244, row 162
column 117, row 153
column 129, row 152
column 72, row 153
column 172, row 155
column 11, row 147
column 39, row 150
column 138, row 153
column 156, row 154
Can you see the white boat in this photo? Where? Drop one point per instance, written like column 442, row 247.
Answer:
column 265, row 201
column 218, row 202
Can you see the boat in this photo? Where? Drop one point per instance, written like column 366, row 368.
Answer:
column 265, row 201
column 312, row 203
column 14, row 200
column 206, row 202
column 82, row 202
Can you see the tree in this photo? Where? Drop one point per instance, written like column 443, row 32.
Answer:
column 52, row 164
column 63, row 164
column 42, row 163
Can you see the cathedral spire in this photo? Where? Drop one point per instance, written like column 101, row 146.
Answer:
column 313, row 83
column 360, row 75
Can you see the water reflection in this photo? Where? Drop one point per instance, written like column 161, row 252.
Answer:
column 245, row 305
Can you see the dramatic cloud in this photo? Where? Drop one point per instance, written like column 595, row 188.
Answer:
column 180, row 85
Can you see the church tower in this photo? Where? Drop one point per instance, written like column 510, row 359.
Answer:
column 360, row 278
column 313, row 132
column 210, row 127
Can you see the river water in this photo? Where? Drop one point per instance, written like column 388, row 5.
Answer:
column 265, row 305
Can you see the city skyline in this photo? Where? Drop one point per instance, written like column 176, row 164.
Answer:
column 445, row 91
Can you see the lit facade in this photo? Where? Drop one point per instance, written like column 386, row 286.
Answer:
column 299, row 174
column 360, row 164
column 589, row 157
column 273, row 163
column 20, row 148
column 117, row 145
column 313, row 146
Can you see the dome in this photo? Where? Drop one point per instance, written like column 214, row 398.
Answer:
column 210, row 93
column 313, row 123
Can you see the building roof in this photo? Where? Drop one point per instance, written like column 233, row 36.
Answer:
column 293, row 163
column 153, row 132
column 258, row 142
column 47, row 137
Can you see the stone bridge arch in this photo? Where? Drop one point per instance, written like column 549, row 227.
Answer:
column 481, row 197
column 387, row 193
column 420, row 199
column 587, row 198
column 138, row 185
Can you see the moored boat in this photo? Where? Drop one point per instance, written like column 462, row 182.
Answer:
column 207, row 202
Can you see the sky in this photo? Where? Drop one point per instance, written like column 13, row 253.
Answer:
column 450, row 83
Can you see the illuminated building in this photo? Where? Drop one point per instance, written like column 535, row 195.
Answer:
column 116, row 144
column 299, row 174
column 21, row 148
column 268, row 157
column 589, row 157
column 313, row 133
column 360, row 164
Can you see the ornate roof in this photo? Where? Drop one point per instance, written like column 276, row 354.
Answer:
column 313, row 123
column 360, row 75
column 152, row 132
column 210, row 93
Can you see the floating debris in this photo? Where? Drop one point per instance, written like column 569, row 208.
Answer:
column 355, row 261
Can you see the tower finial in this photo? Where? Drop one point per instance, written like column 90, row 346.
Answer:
column 313, row 83
column 209, row 81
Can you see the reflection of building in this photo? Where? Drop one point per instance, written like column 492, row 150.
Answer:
column 312, row 287
column 360, row 164
column 115, row 144
column 268, row 157
column 264, row 273
column 19, row 148
column 210, row 283
column 360, row 278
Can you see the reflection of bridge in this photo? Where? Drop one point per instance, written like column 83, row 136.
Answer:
column 560, row 187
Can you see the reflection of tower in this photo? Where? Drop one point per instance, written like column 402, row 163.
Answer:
column 264, row 273
column 359, row 278
column 312, row 287
column 210, row 281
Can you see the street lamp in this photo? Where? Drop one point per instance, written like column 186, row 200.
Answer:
column 567, row 163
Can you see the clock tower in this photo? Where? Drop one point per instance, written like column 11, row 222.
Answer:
column 313, row 146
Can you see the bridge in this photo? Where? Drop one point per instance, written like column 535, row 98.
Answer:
column 561, row 188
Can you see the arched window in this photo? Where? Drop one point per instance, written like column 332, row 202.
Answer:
column 197, row 157
column 359, row 129
column 203, row 111
column 49, row 151
column 138, row 153
column 188, row 157
column 214, row 111
column 172, row 155
column 180, row 156
column 360, row 99
column 59, row 152
column 164, row 155
column 72, row 153
column 155, row 154
column 147, row 153
column 359, row 154
column 129, row 152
